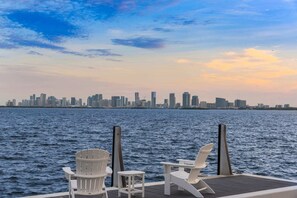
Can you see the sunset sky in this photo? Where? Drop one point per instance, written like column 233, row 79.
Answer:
column 232, row 49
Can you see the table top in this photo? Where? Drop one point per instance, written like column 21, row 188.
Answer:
column 131, row 172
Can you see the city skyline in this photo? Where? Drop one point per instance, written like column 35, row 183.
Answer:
column 240, row 49
column 115, row 101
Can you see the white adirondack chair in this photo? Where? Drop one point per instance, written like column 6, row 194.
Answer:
column 91, row 171
column 185, row 180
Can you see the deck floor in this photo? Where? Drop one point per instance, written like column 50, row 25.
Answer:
column 223, row 186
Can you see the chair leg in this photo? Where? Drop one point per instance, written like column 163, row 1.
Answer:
column 185, row 185
column 208, row 189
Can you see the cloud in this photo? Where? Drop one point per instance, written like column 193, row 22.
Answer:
column 4, row 45
column 101, row 52
column 250, row 58
column 51, row 27
column 35, row 53
column 141, row 42
column 252, row 67
column 37, row 44
column 158, row 29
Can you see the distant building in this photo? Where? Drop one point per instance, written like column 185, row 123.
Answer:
column 211, row 105
column 153, row 99
column 241, row 104
column 221, row 103
column 115, row 101
column 195, row 101
column 186, row 99
column 72, row 101
column 278, row 106
column 52, row 101
column 287, row 106
column 137, row 99
column 203, row 104
column 42, row 101
column 80, row 103
column 165, row 104
column 172, row 101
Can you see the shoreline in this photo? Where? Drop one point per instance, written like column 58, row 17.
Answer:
column 136, row 108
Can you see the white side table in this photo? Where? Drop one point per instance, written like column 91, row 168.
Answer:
column 130, row 189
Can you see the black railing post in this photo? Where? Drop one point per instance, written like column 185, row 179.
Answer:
column 224, row 165
column 117, row 157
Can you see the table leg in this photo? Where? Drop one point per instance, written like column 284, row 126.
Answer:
column 167, row 170
column 129, row 186
column 142, row 185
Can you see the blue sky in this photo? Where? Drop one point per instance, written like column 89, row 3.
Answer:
column 210, row 48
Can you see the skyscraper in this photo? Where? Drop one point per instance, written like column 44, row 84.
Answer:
column 171, row 100
column 186, row 99
column 195, row 101
column 42, row 100
column 153, row 99
column 72, row 101
column 137, row 99
column 221, row 103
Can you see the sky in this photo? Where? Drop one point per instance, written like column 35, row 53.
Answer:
column 211, row 48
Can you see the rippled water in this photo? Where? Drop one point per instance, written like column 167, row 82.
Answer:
column 36, row 143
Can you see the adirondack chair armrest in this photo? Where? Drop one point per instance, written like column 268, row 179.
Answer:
column 108, row 171
column 68, row 173
column 184, row 161
column 177, row 165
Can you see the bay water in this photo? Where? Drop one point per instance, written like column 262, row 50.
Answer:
column 36, row 143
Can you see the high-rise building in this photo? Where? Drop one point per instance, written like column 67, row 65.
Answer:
column 42, row 100
column 186, row 99
column 195, row 101
column 72, row 101
column 221, row 103
column 241, row 104
column 115, row 101
column 172, row 101
column 153, row 99
column 137, row 99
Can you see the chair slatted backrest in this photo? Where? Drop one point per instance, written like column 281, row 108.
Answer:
column 200, row 161
column 91, row 171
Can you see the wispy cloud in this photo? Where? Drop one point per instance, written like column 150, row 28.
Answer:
column 35, row 53
column 101, row 52
column 36, row 43
column 158, row 29
column 141, row 42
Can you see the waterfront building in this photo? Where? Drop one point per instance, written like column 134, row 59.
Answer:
column 64, row 102
column 72, row 101
column 211, row 105
column 278, row 106
column 80, row 103
column 32, row 100
column 221, row 103
column 172, row 101
column 195, row 101
column 287, row 106
column 203, row 104
column 241, row 104
column 153, row 99
column 52, row 101
column 165, row 104
column 115, row 101
column 42, row 101
column 186, row 99
column 178, row 105
column 138, row 103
